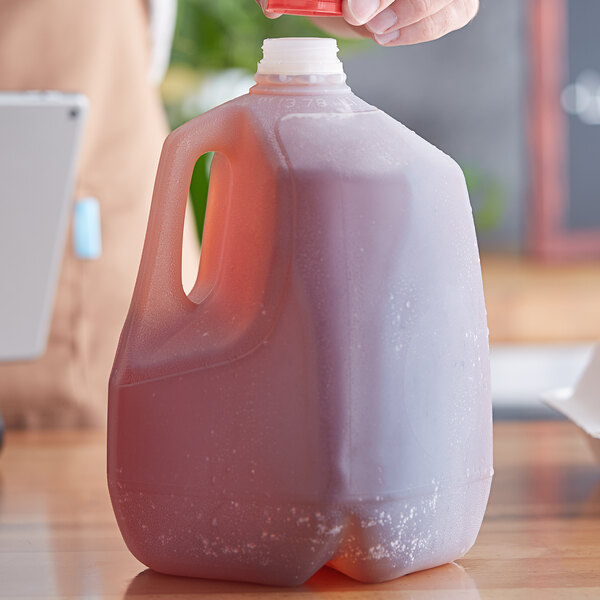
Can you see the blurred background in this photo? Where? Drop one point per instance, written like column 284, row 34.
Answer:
column 515, row 98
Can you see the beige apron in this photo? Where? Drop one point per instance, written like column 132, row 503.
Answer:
column 100, row 48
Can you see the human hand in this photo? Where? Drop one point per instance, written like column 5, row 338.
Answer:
column 397, row 22
column 401, row 22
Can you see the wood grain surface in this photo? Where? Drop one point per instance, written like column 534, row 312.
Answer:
column 530, row 301
column 540, row 538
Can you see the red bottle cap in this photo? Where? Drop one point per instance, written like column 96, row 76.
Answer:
column 316, row 8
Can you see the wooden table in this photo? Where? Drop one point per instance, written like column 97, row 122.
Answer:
column 540, row 538
column 529, row 301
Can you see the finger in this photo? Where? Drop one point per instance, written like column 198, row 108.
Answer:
column 358, row 12
column 268, row 13
column 339, row 27
column 403, row 13
column 452, row 17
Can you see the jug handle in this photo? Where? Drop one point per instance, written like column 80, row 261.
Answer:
column 159, row 286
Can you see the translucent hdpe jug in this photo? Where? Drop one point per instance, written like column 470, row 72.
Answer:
column 322, row 394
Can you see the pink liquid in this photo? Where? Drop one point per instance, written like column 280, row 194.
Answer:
column 322, row 396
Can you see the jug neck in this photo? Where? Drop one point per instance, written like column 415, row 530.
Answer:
column 300, row 66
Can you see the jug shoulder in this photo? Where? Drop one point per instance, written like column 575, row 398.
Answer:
column 357, row 145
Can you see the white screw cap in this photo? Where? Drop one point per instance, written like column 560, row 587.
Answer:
column 300, row 56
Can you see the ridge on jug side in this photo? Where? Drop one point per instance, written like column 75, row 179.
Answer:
column 322, row 395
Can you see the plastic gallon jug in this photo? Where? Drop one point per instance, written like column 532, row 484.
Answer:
column 322, row 394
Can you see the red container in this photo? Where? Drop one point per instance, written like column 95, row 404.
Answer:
column 317, row 8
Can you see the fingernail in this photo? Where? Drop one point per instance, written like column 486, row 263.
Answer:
column 385, row 38
column 383, row 21
column 362, row 10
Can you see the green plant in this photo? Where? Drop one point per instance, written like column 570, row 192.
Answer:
column 228, row 33
column 488, row 197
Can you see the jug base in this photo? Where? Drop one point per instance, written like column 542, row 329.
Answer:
column 285, row 543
